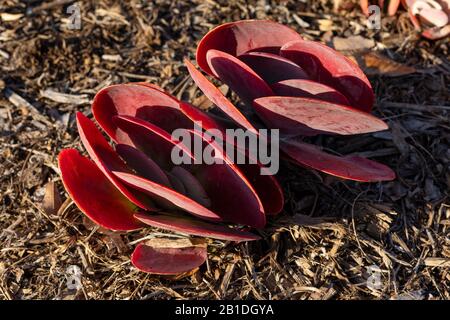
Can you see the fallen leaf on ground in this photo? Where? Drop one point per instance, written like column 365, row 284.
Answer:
column 52, row 200
column 374, row 63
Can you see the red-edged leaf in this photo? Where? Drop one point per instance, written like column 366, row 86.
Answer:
column 140, row 100
column 217, row 97
column 142, row 164
column 194, row 189
column 295, row 114
column 261, row 179
column 238, row 76
column 232, row 196
column 348, row 167
column 330, row 67
column 151, row 139
column 207, row 120
column 415, row 21
column 364, row 6
column 167, row 261
column 107, row 160
column 94, row 194
column 239, row 37
column 176, row 183
column 159, row 191
column 271, row 67
column 149, row 85
column 309, row 89
column 266, row 186
column 195, row 227
column 393, row 7
column 434, row 17
column 436, row 33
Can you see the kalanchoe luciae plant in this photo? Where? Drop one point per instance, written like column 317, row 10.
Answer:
column 300, row 87
column 430, row 17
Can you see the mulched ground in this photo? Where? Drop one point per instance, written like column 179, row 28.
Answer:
column 333, row 239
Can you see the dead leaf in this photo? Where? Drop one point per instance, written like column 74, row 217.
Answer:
column 399, row 139
column 432, row 190
column 114, row 240
column 374, row 63
column 52, row 200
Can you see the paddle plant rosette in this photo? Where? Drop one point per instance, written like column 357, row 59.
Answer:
column 430, row 17
column 302, row 88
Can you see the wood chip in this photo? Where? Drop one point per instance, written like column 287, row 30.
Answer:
column 65, row 98
column 8, row 17
column 437, row 262
column 112, row 57
column 176, row 243
column 353, row 43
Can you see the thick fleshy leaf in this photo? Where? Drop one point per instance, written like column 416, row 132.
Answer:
column 176, row 183
column 94, row 194
column 261, row 179
column 157, row 190
column 194, row 189
column 296, row 114
column 434, row 17
column 168, row 119
column 330, row 67
column 364, row 6
column 206, row 120
column 430, row 12
column 151, row 139
column 149, row 85
column 140, row 100
column 347, row 167
column 415, row 21
column 238, row 76
column 232, row 196
column 309, row 89
column 436, row 33
column 393, row 7
column 271, row 67
column 217, row 97
column 195, row 227
column 168, row 261
column 420, row 23
column 239, row 37
column 266, row 186
column 210, row 122
column 142, row 164
column 107, row 160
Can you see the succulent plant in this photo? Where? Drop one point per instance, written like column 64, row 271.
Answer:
column 300, row 87
column 430, row 17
